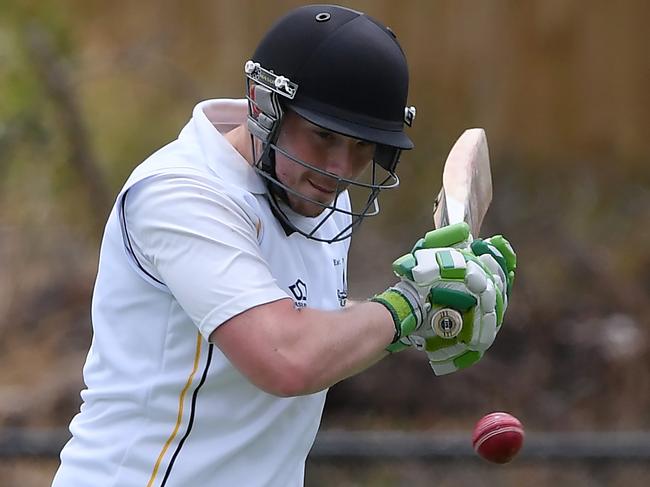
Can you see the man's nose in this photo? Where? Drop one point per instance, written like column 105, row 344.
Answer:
column 340, row 160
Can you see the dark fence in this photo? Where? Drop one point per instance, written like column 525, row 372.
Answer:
column 338, row 445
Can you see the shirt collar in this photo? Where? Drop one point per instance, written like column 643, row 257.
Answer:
column 211, row 119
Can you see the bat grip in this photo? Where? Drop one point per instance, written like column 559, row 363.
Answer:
column 447, row 322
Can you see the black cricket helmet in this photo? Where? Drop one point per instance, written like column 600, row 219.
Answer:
column 345, row 72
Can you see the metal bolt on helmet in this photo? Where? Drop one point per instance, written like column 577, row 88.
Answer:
column 345, row 72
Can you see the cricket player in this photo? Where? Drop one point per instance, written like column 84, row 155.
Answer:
column 219, row 310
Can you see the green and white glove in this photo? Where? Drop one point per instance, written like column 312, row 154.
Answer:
column 489, row 276
column 408, row 300
column 448, row 274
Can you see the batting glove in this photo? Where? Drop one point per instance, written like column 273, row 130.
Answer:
column 489, row 276
column 452, row 296
column 426, row 265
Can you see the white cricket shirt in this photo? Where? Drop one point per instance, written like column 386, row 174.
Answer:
column 191, row 242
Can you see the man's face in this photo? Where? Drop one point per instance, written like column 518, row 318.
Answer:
column 343, row 156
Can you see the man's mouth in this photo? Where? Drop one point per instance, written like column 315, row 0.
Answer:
column 322, row 189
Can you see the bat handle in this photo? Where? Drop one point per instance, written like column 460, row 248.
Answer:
column 447, row 323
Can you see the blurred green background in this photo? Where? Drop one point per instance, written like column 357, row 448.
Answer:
column 88, row 89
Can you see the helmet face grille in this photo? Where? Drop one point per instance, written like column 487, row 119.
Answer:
column 264, row 121
column 362, row 194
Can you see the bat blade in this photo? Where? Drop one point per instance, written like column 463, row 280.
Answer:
column 466, row 183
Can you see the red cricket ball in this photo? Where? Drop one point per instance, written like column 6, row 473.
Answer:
column 498, row 437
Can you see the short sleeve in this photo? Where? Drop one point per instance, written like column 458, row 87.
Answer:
column 201, row 243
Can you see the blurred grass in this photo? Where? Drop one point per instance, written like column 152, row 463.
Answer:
column 475, row 473
column 36, row 473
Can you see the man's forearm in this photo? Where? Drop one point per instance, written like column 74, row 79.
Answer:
column 288, row 351
column 354, row 339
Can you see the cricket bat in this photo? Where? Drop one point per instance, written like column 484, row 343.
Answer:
column 465, row 196
column 466, row 183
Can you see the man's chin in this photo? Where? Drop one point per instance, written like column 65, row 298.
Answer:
column 307, row 208
column 310, row 212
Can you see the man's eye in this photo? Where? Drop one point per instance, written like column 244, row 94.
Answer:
column 324, row 134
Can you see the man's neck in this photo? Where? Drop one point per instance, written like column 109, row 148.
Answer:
column 240, row 139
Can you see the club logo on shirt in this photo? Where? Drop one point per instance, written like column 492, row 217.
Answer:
column 342, row 291
column 299, row 291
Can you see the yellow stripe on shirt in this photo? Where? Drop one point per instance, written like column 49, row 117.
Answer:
column 179, row 418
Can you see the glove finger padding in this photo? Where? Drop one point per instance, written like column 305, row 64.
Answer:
column 490, row 275
column 454, row 236
column 502, row 252
column 462, row 361
column 475, row 297
column 447, row 292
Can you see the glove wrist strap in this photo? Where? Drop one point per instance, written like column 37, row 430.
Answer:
column 388, row 304
column 404, row 313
